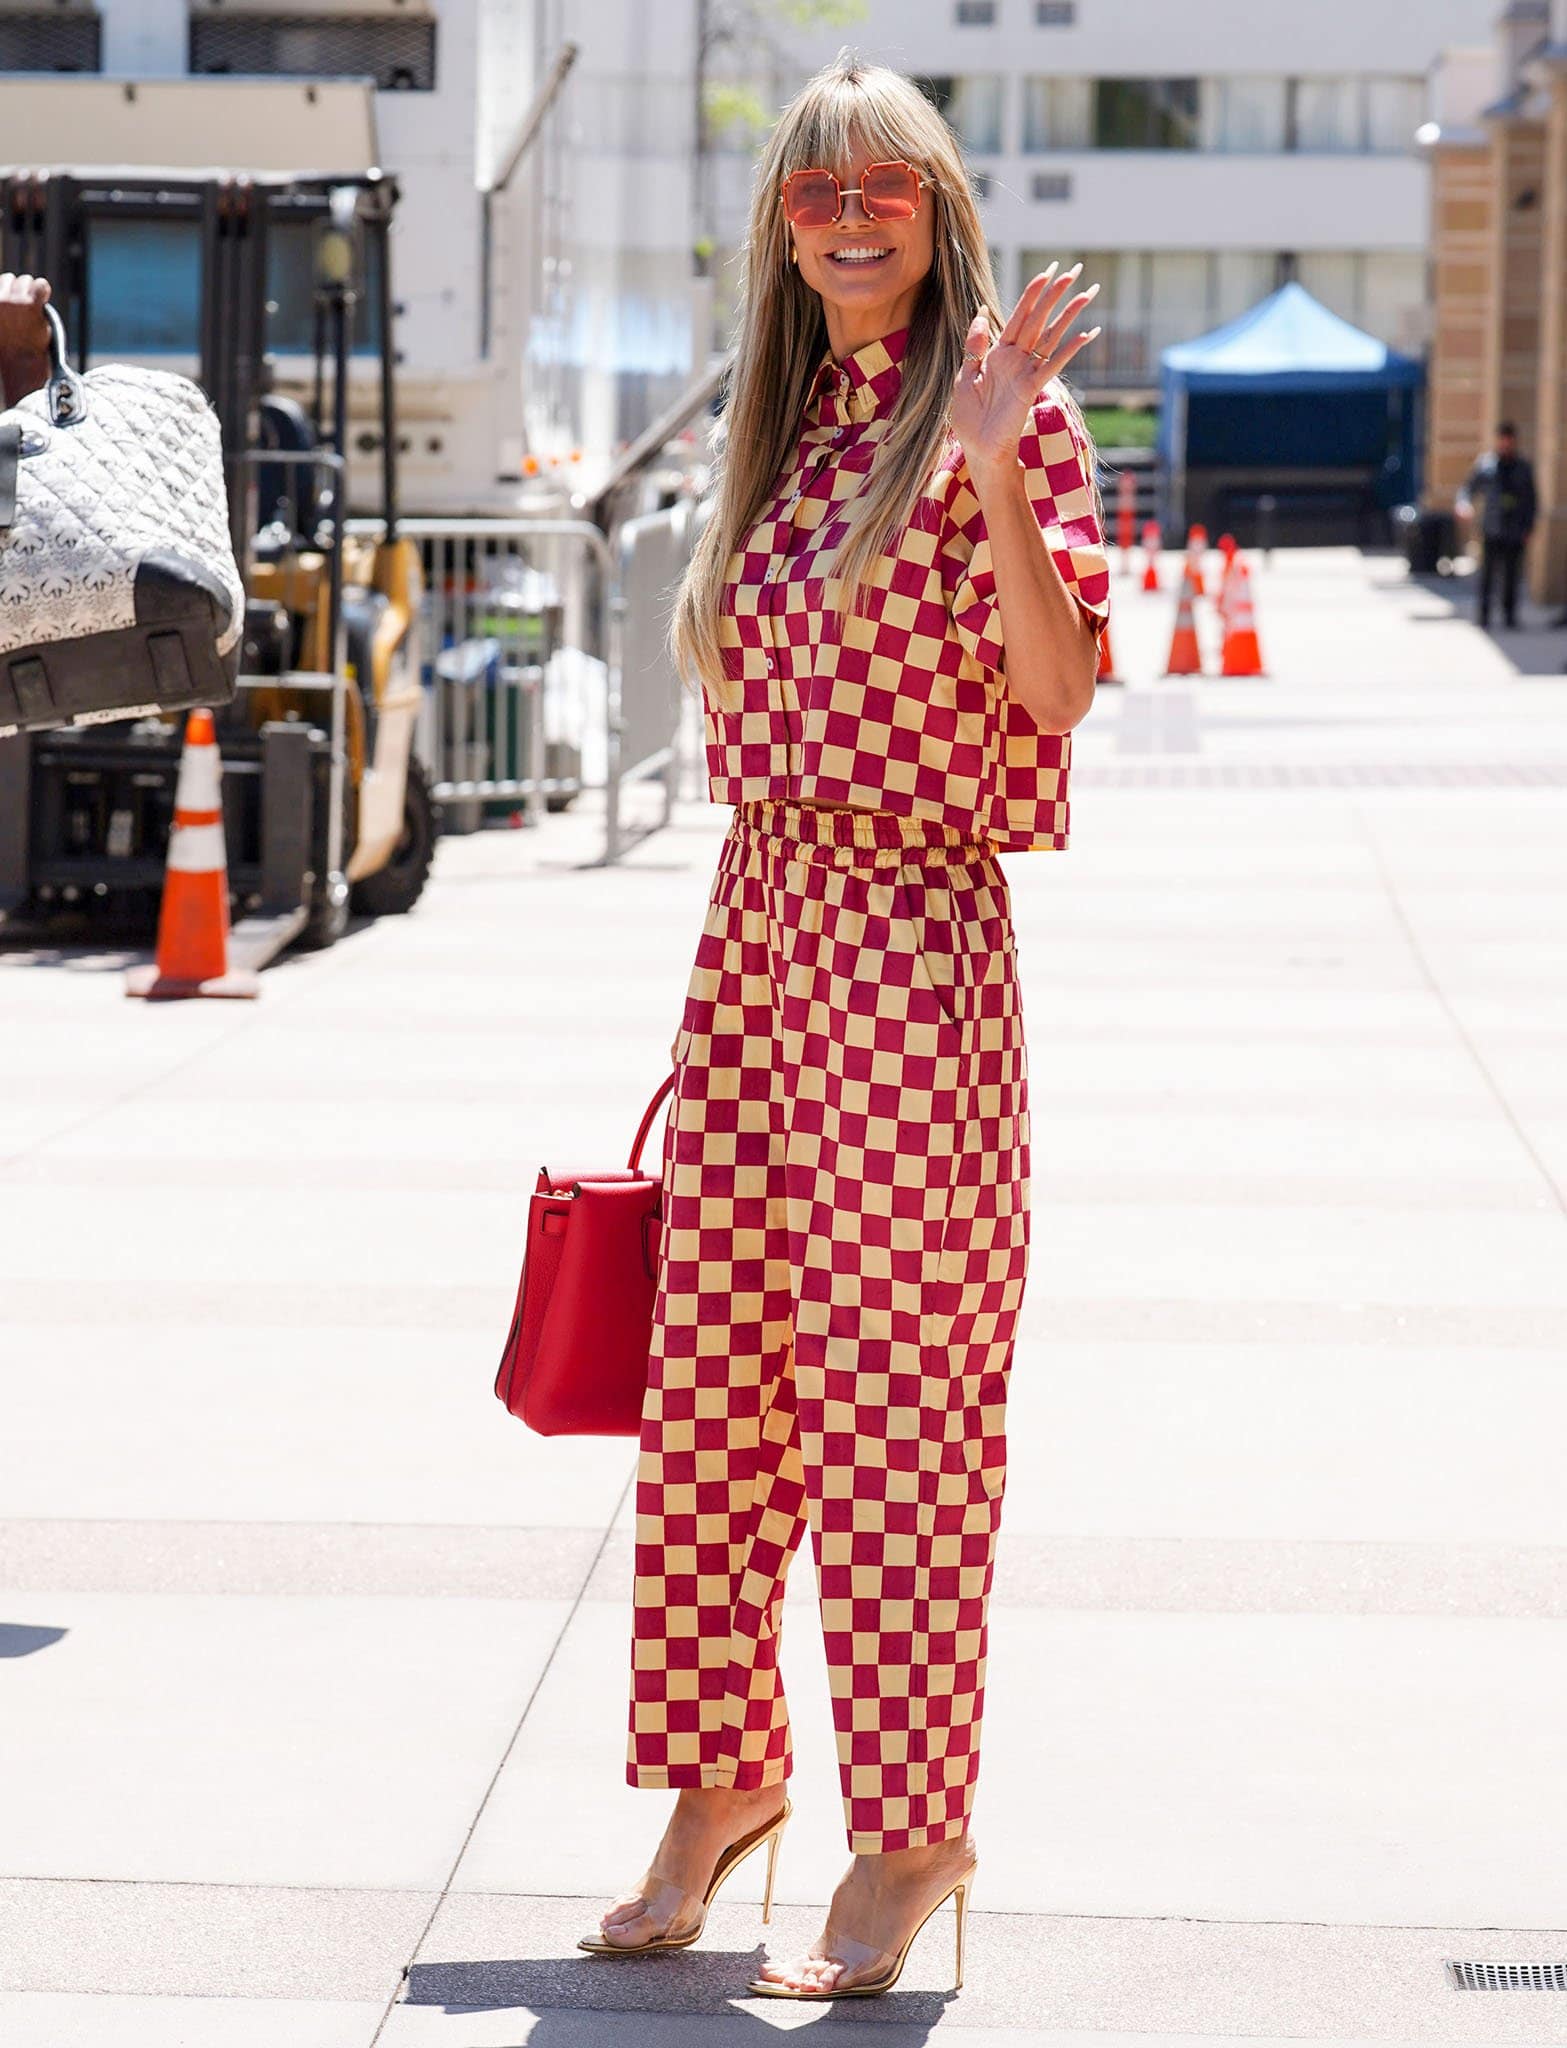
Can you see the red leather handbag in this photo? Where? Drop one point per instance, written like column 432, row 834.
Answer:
column 575, row 1362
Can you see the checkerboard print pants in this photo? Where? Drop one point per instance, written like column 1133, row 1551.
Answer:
column 844, row 1245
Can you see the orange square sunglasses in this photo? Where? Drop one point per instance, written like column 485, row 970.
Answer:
column 887, row 191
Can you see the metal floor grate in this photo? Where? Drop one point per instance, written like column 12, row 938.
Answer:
column 1320, row 775
column 1507, row 1976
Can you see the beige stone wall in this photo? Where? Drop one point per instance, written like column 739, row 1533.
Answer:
column 1463, row 240
column 1517, row 223
column 1548, row 551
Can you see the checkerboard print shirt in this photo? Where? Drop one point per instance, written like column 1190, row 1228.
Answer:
column 905, row 709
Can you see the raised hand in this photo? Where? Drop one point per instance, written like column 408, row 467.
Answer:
column 24, row 334
column 1001, row 376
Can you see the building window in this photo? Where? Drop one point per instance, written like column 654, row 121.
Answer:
column 51, row 42
column 1052, row 185
column 1054, row 13
column 1327, row 115
column 1058, row 113
column 1245, row 114
column 975, row 13
column 1146, row 113
column 1395, row 108
column 972, row 106
column 399, row 55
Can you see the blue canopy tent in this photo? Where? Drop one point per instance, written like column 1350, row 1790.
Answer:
column 1289, row 401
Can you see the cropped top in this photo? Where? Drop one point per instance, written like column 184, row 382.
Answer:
column 902, row 707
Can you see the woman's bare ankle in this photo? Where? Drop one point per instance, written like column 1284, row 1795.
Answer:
column 712, row 1804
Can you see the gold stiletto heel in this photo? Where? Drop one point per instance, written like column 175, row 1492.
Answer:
column 772, row 1864
column 856, row 1954
column 665, row 1892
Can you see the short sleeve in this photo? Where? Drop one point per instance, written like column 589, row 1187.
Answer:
column 1055, row 459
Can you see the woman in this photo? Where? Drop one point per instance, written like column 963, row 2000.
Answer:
column 895, row 613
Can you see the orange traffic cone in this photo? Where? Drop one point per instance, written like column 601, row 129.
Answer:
column 193, row 920
column 1185, row 656
column 1196, row 544
column 1107, row 672
column 1241, row 656
column 1151, row 538
column 1126, row 516
column 1226, row 547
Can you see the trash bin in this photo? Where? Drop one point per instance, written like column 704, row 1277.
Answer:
column 1428, row 537
column 524, row 615
column 465, row 672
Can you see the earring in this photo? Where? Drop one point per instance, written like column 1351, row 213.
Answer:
column 794, row 254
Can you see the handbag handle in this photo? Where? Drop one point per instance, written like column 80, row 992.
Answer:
column 67, row 394
column 648, row 1115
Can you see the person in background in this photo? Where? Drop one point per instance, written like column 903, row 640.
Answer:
column 24, row 335
column 1504, row 479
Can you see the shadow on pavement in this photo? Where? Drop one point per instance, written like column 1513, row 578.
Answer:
column 1536, row 646
column 569, row 1997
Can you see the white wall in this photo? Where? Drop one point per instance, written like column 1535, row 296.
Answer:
column 1158, row 38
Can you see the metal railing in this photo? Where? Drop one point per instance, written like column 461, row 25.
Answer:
column 503, row 598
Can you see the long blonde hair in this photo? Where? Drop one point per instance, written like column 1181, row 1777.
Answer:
column 783, row 335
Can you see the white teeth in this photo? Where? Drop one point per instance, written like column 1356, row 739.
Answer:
column 858, row 255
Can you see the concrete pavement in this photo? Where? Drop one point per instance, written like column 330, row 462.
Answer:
column 314, row 1660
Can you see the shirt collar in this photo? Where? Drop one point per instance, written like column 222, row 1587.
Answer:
column 863, row 386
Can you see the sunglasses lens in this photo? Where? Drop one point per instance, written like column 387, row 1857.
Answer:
column 811, row 199
column 890, row 192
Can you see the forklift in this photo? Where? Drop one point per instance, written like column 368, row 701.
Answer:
column 327, row 810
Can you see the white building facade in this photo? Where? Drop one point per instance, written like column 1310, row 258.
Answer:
column 1192, row 158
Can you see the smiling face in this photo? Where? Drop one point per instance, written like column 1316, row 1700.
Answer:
column 866, row 272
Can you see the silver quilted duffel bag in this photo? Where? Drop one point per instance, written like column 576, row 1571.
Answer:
column 118, row 589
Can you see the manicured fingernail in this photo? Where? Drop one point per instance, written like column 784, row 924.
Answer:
column 1076, row 267
column 1091, row 333
column 1089, row 293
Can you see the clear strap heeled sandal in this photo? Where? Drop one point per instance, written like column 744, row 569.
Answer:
column 858, row 1955
column 663, row 1895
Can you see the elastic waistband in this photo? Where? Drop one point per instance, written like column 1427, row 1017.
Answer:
column 808, row 825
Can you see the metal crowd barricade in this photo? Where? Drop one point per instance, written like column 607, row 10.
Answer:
column 496, row 613
column 646, row 707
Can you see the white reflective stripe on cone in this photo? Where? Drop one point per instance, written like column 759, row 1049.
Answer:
column 197, row 788
column 197, row 850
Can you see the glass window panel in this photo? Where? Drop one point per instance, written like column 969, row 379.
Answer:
column 1395, row 108
column 1328, row 114
column 1146, row 113
column 1241, row 278
column 145, row 285
column 1244, row 114
column 1120, row 113
column 1058, row 113
column 1178, row 283
column 1333, row 276
column 291, row 292
column 1176, row 123
column 975, row 112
